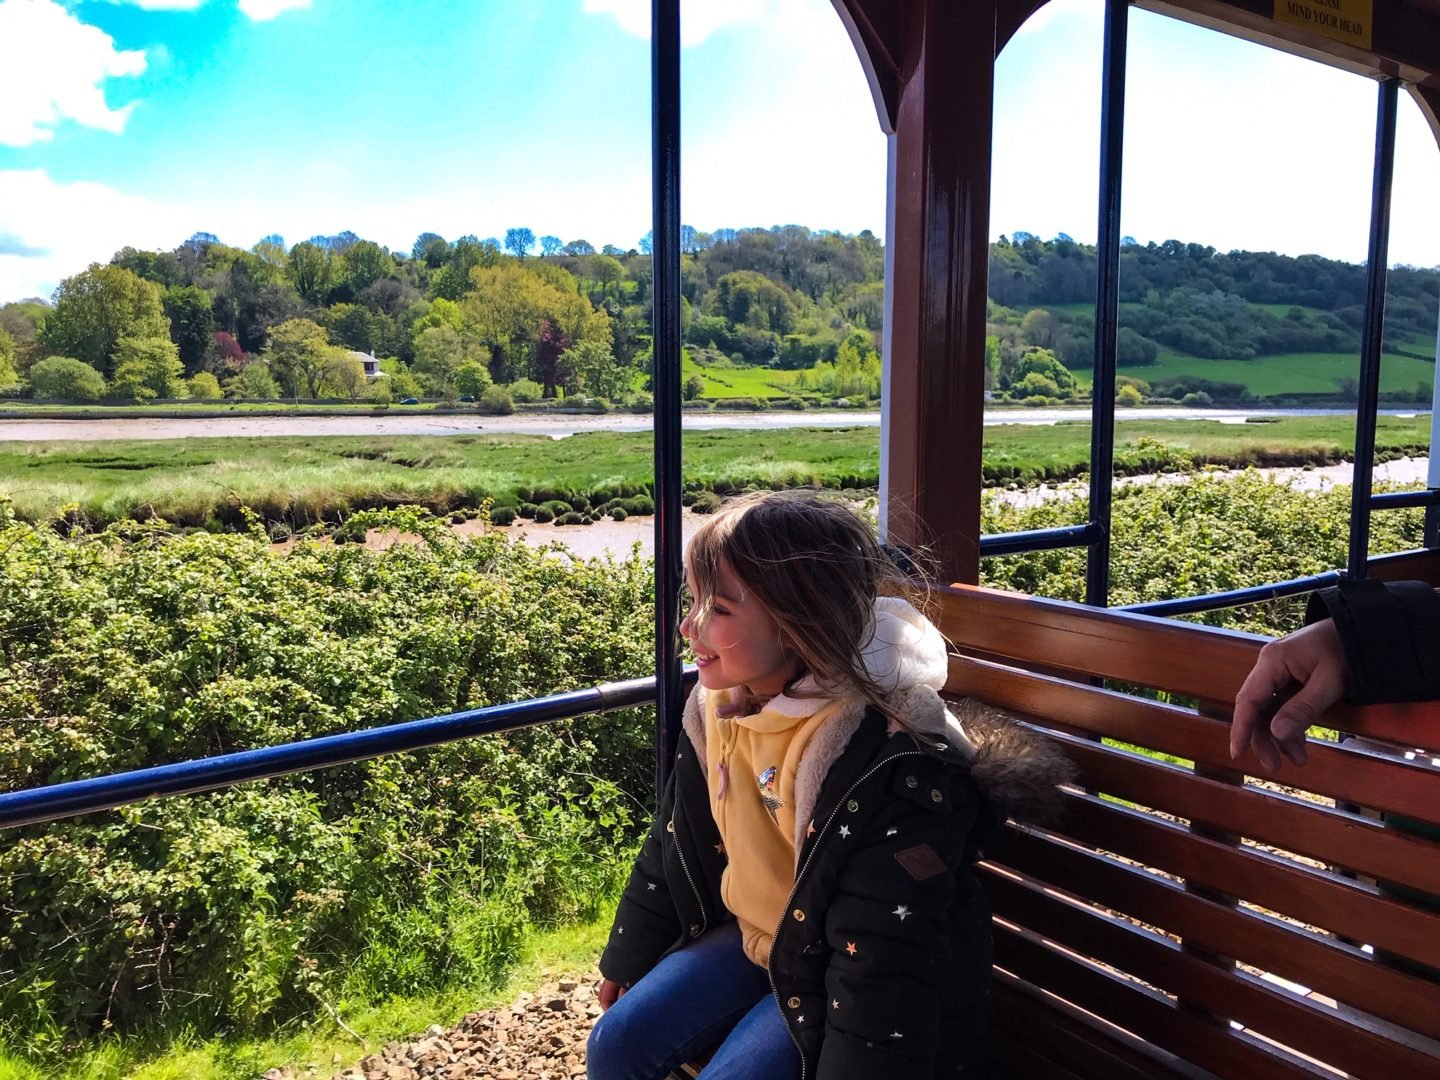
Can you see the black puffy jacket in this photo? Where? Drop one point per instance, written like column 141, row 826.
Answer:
column 1391, row 635
column 881, row 962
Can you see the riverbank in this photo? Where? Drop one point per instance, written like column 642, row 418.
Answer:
column 107, row 425
column 298, row 482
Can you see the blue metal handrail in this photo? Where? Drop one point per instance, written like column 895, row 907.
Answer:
column 225, row 770
column 1255, row 594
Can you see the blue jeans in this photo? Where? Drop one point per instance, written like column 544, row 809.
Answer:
column 695, row 997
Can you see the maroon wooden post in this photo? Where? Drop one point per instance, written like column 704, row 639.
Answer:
column 938, row 237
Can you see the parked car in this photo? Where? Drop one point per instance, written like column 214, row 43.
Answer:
column 409, row 401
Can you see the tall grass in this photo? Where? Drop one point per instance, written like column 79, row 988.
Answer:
column 303, row 480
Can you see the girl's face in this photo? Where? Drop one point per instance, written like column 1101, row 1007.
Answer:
column 740, row 645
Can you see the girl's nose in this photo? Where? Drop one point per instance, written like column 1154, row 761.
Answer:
column 685, row 627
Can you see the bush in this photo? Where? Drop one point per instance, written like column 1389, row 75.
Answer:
column 640, row 505
column 742, row 404
column 503, row 515
column 64, row 379
column 527, row 510
column 496, row 401
column 571, row 517
column 236, row 910
column 1199, row 399
column 526, row 390
column 204, row 387
column 557, row 506
column 692, row 387
column 544, row 514
column 1128, row 397
column 617, row 513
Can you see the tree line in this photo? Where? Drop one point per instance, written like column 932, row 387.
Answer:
column 532, row 317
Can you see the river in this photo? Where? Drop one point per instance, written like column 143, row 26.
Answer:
column 559, row 426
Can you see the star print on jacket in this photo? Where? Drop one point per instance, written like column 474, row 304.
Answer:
column 850, row 948
column 766, row 781
column 902, row 911
column 844, row 830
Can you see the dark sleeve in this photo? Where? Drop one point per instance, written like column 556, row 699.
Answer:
column 1391, row 635
column 891, row 933
column 646, row 922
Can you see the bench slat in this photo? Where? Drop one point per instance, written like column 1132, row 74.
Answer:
column 1140, row 649
column 1092, row 1047
column 1347, row 775
column 1148, row 1013
column 1347, row 840
column 1202, row 662
column 1339, row 971
column 1278, row 885
column 1304, row 1026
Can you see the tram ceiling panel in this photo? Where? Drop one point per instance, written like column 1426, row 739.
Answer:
column 1404, row 34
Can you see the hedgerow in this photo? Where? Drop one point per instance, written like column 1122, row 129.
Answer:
column 240, row 909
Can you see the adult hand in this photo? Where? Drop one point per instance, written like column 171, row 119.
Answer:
column 610, row 992
column 1295, row 679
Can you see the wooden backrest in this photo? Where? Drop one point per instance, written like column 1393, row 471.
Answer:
column 1183, row 915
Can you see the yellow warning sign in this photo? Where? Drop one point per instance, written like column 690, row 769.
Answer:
column 1349, row 21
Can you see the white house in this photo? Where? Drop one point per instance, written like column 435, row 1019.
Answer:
column 371, row 365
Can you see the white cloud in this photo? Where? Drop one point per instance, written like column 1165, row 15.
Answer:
column 53, row 230
column 262, row 10
column 163, row 5
column 51, row 69
column 698, row 18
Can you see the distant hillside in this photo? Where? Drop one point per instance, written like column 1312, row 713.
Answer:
column 1194, row 321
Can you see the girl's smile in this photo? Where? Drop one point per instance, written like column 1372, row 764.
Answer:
column 740, row 643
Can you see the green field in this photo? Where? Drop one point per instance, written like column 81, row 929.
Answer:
column 1279, row 376
column 739, row 382
column 302, row 480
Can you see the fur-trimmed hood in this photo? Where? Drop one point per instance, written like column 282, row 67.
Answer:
column 1016, row 769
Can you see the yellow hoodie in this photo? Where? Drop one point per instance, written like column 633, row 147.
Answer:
column 752, row 768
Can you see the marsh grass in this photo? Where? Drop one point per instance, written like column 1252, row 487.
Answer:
column 167, row 1054
column 305, row 480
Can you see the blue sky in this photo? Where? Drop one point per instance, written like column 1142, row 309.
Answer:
column 142, row 121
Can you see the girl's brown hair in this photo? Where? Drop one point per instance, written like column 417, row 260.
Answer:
column 817, row 566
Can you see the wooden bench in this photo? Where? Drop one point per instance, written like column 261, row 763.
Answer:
column 1181, row 919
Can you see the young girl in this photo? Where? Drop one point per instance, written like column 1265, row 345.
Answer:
column 804, row 903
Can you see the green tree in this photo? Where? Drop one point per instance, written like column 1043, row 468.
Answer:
column 298, row 354
column 606, row 270
column 431, row 249
column 96, row 308
column 595, row 371
column 439, row 352
column 345, row 372
column 309, row 270
column 148, row 368
column 367, row 262
column 472, row 378
column 253, row 382
column 1039, row 328
column 356, row 327
column 9, row 378
column 61, row 378
column 192, row 324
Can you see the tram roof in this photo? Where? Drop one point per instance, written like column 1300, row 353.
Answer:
column 1403, row 38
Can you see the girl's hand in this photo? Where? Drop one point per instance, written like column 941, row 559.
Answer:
column 610, row 992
